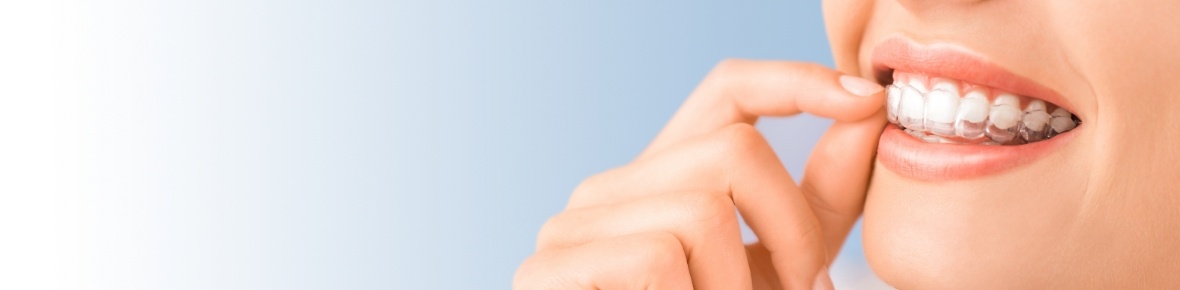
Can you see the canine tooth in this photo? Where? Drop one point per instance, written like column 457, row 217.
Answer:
column 1007, row 99
column 973, row 107
column 941, row 107
column 1004, row 118
column 913, row 106
column 893, row 96
column 972, row 113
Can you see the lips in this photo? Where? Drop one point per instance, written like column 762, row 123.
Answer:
column 913, row 158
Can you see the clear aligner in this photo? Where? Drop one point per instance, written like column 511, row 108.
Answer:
column 942, row 115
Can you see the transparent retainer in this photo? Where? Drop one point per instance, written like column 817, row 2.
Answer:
column 964, row 131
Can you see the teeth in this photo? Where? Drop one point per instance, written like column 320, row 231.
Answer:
column 1061, row 112
column 1035, row 122
column 913, row 106
column 1062, row 121
column 1005, row 112
column 944, row 84
column 935, row 112
column 941, row 106
column 893, row 97
column 972, row 114
column 1036, row 105
column 917, row 83
column 1004, row 118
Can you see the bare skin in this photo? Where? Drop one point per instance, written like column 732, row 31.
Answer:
column 667, row 219
column 1100, row 212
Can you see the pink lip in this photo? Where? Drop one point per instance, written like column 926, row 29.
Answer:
column 907, row 156
column 954, row 62
column 913, row 158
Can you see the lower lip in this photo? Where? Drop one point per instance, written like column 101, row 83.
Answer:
column 909, row 157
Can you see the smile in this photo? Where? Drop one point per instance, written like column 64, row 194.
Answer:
column 956, row 115
column 940, row 110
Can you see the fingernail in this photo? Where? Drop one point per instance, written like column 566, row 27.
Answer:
column 823, row 281
column 859, row 86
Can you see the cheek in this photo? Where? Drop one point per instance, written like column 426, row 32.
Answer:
column 846, row 21
column 1000, row 231
column 1127, row 57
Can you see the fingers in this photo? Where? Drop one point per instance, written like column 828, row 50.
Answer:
column 837, row 177
column 653, row 260
column 738, row 91
column 672, row 208
column 705, row 224
column 737, row 162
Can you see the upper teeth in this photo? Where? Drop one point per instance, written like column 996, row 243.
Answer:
column 939, row 107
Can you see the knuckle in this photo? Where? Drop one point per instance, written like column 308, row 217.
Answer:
column 729, row 64
column 663, row 250
column 548, row 236
column 707, row 213
column 521, row 279
column 589, row 186
column 707, row 207
column 741, row 140
column 811, row 236
column 537, row 272
column 741, row 133
column 724, row 71
column 527, row 276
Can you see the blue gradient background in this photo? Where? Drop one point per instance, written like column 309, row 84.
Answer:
column 342, row 144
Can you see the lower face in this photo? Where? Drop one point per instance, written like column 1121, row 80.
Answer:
column 1084, row 204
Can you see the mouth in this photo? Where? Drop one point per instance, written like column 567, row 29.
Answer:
column 956, row 115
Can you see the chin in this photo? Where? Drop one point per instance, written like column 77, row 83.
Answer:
column 984, row 233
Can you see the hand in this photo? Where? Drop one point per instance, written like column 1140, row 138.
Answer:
column 667, row 220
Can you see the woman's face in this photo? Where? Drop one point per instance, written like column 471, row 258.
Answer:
column 1095, row 206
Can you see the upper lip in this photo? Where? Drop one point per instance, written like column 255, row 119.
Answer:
column 954, row 62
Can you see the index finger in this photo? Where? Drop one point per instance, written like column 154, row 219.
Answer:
column 739, row 91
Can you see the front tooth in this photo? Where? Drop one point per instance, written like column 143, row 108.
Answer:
column 913, row 107
column 944, row 84
column 893, row 96
column 1035, row 120
column 917, row 83
column 941, row 106
column 972, row 113
column 1004, row 118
